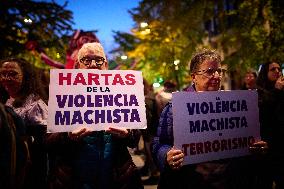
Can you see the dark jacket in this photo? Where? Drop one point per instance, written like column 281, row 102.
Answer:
column 97, row 161
column 14, row 152
column 271, row 115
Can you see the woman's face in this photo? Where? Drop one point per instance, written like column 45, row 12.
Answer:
column 250, row 79
column 11, row 77
column 208, row 76
column 274, row 72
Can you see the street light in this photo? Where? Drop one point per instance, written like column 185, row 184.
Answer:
column 143, row 24
column 146, row 31
column 123, row 57
column 28, row 20
column 176, row 62
column 156, row 85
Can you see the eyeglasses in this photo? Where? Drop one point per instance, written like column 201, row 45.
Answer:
column 274, row 69
column 87, row 61
column 210, row 72
column 10, row 75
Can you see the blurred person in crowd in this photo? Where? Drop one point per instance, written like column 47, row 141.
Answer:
column 149, row 168
column 85, row 159
column 165, row 95
column 270, row 86
column 14, row 152
column 231, row 173
column 250, row 80
column 3, row 95
column 27, row 98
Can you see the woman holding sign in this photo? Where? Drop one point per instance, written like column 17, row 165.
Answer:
column 85, row 159
column 26, row 97
column 270, row 85
column 206, row 73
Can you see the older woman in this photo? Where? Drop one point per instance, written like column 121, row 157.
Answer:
column 206, row 73
column 93, row 159
column 25, row 96
column 270, row 85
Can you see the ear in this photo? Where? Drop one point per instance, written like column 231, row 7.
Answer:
column 193, row 76
column 76, row 65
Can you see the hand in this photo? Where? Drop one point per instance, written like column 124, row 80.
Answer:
column 260, row 147
column 79, row 133
column 280, row 83
column 175, row 158
column 119, row 132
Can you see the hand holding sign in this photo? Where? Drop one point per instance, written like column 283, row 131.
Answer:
column 175, row 158
column 79, row 133
column 119, row 132
column 260, row 147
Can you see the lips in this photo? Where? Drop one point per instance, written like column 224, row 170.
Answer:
column 214, row 82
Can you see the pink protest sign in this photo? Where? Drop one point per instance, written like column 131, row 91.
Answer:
column 96, row 99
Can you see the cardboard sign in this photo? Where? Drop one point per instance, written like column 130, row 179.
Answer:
column 95, row 99
column 215, row 125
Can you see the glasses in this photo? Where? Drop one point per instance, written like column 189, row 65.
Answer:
column 9, row 75
column 274, row 69
column 210, row 72
column 87, row 61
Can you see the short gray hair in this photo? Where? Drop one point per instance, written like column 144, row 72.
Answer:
column 200, row 56
column 95, row 47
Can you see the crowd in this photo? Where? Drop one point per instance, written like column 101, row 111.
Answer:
column 31, row 157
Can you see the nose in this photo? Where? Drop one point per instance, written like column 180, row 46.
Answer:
column 93, row 64
column 218, row 74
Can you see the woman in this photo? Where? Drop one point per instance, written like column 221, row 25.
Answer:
column 85, row 159
column 250, row 80
column 19, row 79
column 270, row 85
column 206, row 75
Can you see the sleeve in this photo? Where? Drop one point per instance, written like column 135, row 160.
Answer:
column 38, row 113
column 163, row 142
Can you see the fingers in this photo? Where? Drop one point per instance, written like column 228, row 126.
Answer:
column 119, row 132
column 260, row 143
column 175, row 158
column 177, row 162
column 78, row 134
column 259, row 147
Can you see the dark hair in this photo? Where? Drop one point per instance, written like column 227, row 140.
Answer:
column 3, row 95
column 170, row 86
column 199, row 57
column 31, row 83
column 262, row 79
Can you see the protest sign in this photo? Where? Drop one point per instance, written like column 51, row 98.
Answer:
column 96, row 99
column 215, row 125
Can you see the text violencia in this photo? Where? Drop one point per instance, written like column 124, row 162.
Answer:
column 96, row 100
column 96, row 116
column 217, row 107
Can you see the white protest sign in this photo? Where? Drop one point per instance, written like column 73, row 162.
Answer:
column 96, row 99
column 215, row 125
